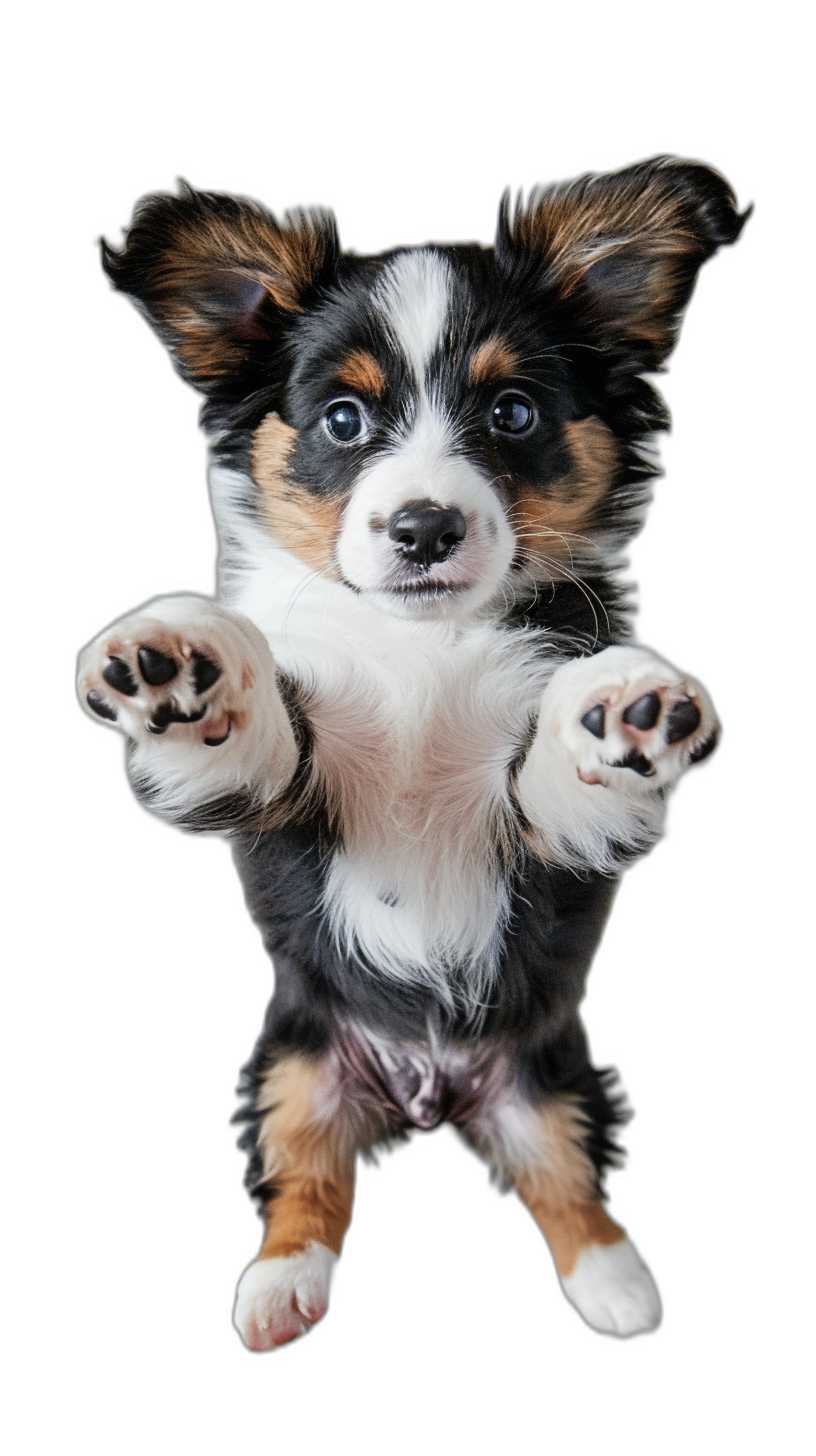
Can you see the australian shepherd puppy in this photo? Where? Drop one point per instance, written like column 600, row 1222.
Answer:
column 415, row 704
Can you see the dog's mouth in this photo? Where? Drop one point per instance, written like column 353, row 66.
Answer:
column 429, row 589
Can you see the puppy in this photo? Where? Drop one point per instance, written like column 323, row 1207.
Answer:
column 415, row 704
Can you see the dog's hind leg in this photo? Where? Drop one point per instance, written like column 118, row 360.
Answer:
column 305, row 1133
column 548, row 1134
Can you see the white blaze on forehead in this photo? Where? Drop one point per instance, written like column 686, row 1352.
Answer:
column 413, row 296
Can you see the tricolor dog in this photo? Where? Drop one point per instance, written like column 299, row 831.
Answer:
column 415, row 704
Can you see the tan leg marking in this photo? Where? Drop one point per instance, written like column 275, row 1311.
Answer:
column 560, row 1193
column 308, row 1161
column 305, row 523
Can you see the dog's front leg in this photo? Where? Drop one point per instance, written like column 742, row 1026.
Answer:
column 194, row 688
column 614, row 734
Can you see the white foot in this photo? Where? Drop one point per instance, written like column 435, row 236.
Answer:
column 613, row 1290
column 279, row 1299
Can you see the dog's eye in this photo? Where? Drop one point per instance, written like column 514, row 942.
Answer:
column 512, row 414
column 344, row 421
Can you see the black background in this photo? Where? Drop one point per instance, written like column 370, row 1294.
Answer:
column 165, row 980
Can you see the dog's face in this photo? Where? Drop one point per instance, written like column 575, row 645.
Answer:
column 440, row 426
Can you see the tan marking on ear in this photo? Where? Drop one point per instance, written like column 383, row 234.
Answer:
column 649, row 217
column 308, row 1160
column 494, row 359
column 545, row 520
column 560, row 1191
column 305, row 523
column 206, row 267
column 361, row 371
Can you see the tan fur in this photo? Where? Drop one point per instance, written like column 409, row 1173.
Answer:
column 545, row 522
column 494, row 359
column 642, row 213
column 248, row 244
column 361, row 371
column 306, row 524
column 569, row 1228
column 308, row 1160
column 560, row 1192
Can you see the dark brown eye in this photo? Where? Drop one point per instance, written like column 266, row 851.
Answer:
column 512, row 414
column 344, row 421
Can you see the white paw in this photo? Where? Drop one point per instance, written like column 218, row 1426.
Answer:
column 629, row 720
column 613, row 1290
column 183, row 666
column 279, row 1299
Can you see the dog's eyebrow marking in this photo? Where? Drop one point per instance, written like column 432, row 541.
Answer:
column 494, row 359
column 413, row 296
column 360, row 370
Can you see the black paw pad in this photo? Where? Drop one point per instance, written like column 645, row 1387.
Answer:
column 168, row 713
column 639, row 763
column 205, row 672
column 156, row 668
column 644, row 713
column 682, row 720
column 705, row 748
column 595, row 721
column 97, row 705
column 118, row 675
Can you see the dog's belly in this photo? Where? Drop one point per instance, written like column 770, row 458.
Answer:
column 422, row 1083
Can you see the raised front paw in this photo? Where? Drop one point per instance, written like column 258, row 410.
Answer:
column 626, row 715
column 185, row 670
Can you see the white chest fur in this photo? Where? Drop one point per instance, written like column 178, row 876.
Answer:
column 415, row 727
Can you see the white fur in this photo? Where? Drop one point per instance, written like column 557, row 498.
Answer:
column 423, row 464
column 578, row 801
column 413, row 297
column 415, row 726
column 613, row 1290
column 259, row 756
column 279, row 1299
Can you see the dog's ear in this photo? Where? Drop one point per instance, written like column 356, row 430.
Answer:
column 220, row 280
column 623, row 250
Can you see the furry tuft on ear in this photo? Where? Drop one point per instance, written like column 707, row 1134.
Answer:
column 218, row 277
column 624, row 248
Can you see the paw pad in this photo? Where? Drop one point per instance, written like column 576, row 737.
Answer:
column 136, row 672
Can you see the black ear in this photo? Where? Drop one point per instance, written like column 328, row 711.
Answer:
column 219, row 279
column 624, row 249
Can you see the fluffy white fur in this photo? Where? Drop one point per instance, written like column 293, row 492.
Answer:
column 415, row 726
column 279, row 1299
column 612, row 1290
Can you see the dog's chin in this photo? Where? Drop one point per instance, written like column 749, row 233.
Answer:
column 427, row 601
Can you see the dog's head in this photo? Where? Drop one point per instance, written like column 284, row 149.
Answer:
column 437, row 424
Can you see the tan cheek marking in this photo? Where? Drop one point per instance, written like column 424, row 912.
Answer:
column 308, row 1160
column 542, row 521
column 306, row 524
column 560, row 1193
column 494, row 359
column 360, row 370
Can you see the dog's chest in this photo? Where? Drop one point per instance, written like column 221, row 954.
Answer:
column 413, row 752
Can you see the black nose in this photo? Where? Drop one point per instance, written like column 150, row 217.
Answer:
column 426, row 533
